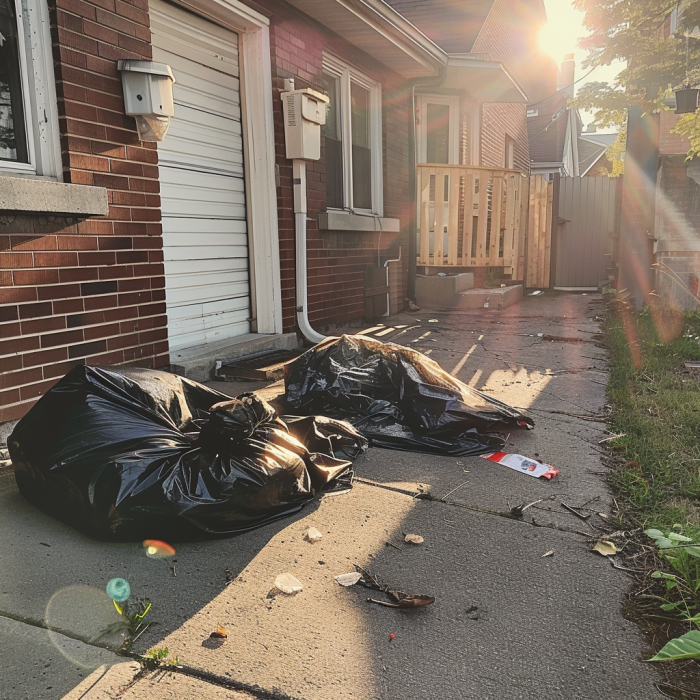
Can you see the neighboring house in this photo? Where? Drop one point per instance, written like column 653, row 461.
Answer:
column 592, row 148
column 676, row 234
column 554, row 128
column 114, row 250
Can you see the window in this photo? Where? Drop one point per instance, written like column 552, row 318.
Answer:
column 28, row 122
column 353, row 139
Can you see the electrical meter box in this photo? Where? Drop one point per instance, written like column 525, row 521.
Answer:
column 304, row 114
column 148, row 96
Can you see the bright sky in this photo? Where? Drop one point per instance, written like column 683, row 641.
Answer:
column 561, row 36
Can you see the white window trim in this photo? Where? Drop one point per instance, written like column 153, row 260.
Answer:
column 38, row 94
column 454, row 126
column 347, row 74
column 259, row 153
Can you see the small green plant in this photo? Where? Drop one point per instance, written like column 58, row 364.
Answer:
column 131, row 621
column 683, row 589
column 157, row 658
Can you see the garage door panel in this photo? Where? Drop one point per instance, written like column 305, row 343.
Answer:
column 203, row 181
column 206, row 266
column 208, row 252
column 205, row 242
column 199, row 65
column 209, row 321
column 205, row 308
column 186, row 231
column 217, row 289
column 209, row 335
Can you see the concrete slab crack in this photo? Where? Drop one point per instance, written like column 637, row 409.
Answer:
column 508, row 515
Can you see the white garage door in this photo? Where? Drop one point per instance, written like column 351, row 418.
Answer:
column 205, row 238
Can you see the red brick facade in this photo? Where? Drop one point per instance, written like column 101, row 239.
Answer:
column 509, row 35
column 336, row 260
column 76, row 290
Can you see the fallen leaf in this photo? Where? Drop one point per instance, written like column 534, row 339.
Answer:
column 220, row 633
column 405, row 601
column 414, row 539
column 348, row 579
column 288, row 584
column 312, row 535
column 604, row 547
column 550, row 553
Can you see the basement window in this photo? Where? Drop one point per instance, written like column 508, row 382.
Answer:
column 353, row 139
column 28, row 121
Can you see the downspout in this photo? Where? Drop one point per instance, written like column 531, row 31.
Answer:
column 302, row 308
column 412, row 165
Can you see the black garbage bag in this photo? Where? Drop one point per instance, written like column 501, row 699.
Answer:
column 397, row 397
column 131, row 454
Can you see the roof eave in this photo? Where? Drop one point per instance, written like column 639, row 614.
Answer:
column 486, row 81
column 377, row 29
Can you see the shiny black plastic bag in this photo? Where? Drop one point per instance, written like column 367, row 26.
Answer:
column 397, row 397
column 131, row 454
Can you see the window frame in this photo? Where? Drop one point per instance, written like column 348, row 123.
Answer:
column 347, row 75
column 38, row 94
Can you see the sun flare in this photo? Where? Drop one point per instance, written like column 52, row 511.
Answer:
column 558, row 39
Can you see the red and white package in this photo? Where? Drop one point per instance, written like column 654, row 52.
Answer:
column 523, row 464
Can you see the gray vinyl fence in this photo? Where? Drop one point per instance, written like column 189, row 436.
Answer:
column 586, row 225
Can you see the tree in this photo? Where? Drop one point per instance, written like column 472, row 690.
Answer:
column 658, row 60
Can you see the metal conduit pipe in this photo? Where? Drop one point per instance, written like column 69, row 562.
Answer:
column 299, row 180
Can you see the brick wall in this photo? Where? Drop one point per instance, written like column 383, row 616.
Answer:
column 497, row 122
column 671, row 144
column 336, row 260
column 509, row 35
column 76, row 291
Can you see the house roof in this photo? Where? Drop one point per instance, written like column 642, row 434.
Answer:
column 589, row 153
column 603, row 139
column 453, row 25
column 547, row 131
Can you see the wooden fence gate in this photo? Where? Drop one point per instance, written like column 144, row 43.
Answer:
column 486, row 217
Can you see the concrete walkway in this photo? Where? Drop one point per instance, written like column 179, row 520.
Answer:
column 508, row 623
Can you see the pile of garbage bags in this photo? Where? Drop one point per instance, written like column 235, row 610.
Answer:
column 130, row 454
column 397, row 397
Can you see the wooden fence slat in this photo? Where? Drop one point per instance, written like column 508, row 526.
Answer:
column 523, row 219
column 483, row 214
column 542, row 220
column 468, row 217
column 509, row 238
column 453, row 219
column 424, row 258
column 548, row 235
column 439, row 234
column 532, row 235
column 496, row 218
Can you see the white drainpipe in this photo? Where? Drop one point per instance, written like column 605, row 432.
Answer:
column 388, row 294
column 299, row 180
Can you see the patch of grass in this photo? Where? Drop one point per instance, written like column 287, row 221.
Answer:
column 656, row 406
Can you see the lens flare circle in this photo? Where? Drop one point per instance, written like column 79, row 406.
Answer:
column 118, row 589
column 81, row 611
column 155, row 549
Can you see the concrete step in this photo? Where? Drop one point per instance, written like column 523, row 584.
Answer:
column 432, row 290
column 496, row 298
